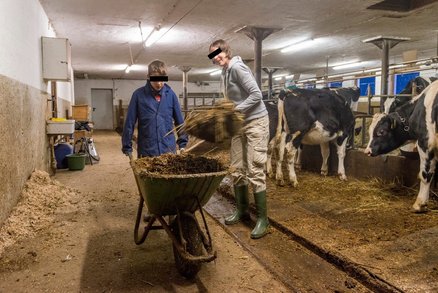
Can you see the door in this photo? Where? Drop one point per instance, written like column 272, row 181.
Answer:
column 102, row 108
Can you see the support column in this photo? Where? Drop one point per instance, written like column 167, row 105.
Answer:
column 270, row 72
column 385, row 43
column 54, row 97
column 185, row 70
column 258, row 34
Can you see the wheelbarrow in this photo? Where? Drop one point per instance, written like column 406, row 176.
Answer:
column 179, row 197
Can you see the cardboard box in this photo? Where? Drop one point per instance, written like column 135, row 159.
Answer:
column 60, row 127
column 81, row 112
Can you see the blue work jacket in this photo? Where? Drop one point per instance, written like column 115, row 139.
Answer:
column 155, row 122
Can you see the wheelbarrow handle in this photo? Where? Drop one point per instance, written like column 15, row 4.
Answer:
column 131, row 161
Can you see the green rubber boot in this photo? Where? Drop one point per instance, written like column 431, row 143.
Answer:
column 262, row 224
column 242, row 203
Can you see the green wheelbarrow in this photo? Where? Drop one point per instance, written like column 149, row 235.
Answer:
column 179, row 197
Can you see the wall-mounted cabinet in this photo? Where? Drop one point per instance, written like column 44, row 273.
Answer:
column 56, row 59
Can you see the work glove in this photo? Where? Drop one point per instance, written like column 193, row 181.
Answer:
column 128, row 154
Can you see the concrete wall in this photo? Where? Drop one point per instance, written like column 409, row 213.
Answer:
column 24, row 105
column 123, row 89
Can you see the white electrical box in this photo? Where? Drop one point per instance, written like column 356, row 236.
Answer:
column 56, row 59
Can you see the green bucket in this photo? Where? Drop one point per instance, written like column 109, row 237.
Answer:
column 76, row 161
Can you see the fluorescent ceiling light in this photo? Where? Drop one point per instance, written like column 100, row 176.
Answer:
column 345, row 62
column 298, row 46
column 335, row 75
column 290, row 76
column 349, row 65
column 139, row 67
column 128, row 69
column 118, row 67
column 308, row 80
column 397, row 66
column 424, row 66
column 216, row 72
column 279, row 76
column 154, row 36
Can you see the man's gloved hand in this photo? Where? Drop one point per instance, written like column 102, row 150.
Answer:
column 128, row 154
column 180, row 151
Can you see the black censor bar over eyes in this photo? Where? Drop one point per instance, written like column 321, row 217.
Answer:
column 159, row 78
column 214, row 53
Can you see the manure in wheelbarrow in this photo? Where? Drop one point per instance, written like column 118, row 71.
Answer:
column 178, row 164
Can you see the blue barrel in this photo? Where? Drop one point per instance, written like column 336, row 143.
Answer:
column 61, row 152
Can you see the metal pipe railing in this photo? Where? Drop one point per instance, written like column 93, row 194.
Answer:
column 412, row 67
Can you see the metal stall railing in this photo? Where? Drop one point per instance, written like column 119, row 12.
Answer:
column 200, row 99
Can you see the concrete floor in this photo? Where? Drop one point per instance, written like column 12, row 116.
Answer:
column 89, row 247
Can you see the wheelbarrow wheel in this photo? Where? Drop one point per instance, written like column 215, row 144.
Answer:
column 194, row 246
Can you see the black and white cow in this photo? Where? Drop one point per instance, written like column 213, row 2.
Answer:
column 419, row 83
column 415, row 120
column 272, row 109
column 412, row 88
column 314, row 117
column 350, row 94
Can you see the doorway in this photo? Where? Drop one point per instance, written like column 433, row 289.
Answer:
column 102, row 108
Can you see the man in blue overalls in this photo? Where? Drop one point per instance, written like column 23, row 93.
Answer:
column 156, row 109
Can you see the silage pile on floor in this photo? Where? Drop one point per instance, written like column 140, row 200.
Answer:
column 35, row 210
column 216, row 124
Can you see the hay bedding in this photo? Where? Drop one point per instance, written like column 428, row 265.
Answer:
column 313, row 186
column 354, row 197
column 214, row 124
column 40, row 198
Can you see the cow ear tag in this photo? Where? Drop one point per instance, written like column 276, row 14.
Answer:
column 393, row 123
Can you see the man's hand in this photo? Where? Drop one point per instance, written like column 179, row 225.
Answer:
column 180, row 151
column 128, row 154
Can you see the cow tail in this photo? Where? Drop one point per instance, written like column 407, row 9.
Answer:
column 435, row 117
column 280, row 107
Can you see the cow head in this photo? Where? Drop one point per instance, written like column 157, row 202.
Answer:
column 393, row 103
column 419, row 83
column 386, row 134
column 282, row 95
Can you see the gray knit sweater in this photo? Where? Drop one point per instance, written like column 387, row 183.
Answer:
column 240, row 86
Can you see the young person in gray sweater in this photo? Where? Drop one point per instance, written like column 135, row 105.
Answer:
column 249, row 147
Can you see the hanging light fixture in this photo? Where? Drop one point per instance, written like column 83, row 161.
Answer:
column 216, row 72
column 300, row 45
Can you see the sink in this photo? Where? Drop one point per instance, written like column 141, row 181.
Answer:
column 60, row 126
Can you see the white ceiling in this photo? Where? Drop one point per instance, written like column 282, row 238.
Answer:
column 101, row 32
